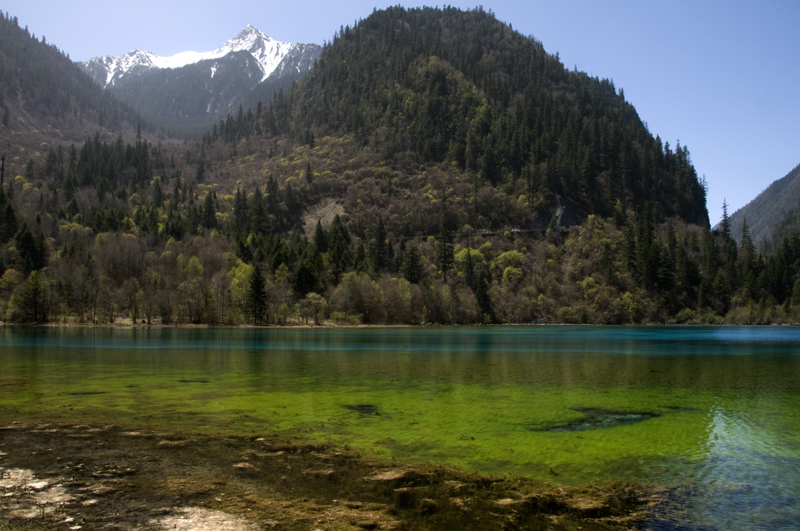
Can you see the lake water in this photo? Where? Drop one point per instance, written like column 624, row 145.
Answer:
column 712, row 414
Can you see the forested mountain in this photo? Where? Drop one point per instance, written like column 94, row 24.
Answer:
column 435, row 167
column 763, row 214
column 46, row 98
column 464, row 88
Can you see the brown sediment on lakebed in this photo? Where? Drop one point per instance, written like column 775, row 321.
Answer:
column 57, row 476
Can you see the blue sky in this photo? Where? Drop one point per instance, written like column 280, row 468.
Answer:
column 723, row 78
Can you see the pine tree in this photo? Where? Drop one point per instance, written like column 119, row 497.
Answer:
column 31, row 249
column 483, row 299
column 469, row 271
column 444, row 244
column 256, row 298
column 320, row 239
column 240, row 214
column 258, row 216
column 379, row 251
column 411, row 266
column 309, row 174
column 209, row 215
column 747, row 261
column 339, row 245
column 725, row 224
column 28, row 305
column 305, row 278
column 8, row 218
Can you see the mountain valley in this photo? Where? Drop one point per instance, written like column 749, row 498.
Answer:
column 458, row 174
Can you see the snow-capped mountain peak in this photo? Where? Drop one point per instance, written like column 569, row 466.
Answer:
column 267, row 52
column 185, row 92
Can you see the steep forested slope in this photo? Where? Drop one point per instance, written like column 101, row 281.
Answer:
column 47, row 99
column 465, row 89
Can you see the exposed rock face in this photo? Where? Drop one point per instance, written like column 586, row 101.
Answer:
column 559, row 213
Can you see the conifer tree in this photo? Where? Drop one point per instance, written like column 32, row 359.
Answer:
column 258, row 215
column 411, row 266
column 444, row 244
column 31, row 249
column 305, row 278
column 482, row 297
column 256, row 298
column 209, row 215
column 469, row 271
column 338, row 245
column 379, row 251
column 320, row 238
column 725, row 224
column 240, row 213
column 29, row 304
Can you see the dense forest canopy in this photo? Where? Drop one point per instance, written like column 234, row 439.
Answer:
column 435, row 167
column 462, row 87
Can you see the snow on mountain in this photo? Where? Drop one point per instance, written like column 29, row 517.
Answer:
column 268, row 52
column 186, row 92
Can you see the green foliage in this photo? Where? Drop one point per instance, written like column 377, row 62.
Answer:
column 441, row 138
column 256, row 299
column 455, row 86
column 358, row 294
column 411, row 265
column 30, row 303
column 31, row 249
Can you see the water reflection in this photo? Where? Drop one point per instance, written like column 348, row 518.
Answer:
column 743, row 478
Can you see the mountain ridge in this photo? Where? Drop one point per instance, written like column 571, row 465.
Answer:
column 157, row 85
column 267, row 51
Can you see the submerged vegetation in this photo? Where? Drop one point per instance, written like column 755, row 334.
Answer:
column 103, row 476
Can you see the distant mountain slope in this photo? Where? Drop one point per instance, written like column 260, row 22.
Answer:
column 268, row 53
column 768, row 208
column 45, row 98
column 164, row 97
column 186, row 92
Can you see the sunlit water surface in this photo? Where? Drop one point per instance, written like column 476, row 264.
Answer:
column 711, row 413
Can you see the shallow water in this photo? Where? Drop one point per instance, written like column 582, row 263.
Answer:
column 711, row 413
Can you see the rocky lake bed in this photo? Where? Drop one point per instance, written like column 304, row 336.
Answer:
column 66, row 476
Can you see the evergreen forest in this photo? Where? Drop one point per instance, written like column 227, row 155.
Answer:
column 435, row 167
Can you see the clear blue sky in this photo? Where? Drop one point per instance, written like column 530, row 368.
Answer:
column 723, row 78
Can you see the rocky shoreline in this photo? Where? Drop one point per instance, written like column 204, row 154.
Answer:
column 59, row 476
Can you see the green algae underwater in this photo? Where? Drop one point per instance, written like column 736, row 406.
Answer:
column 713, row 413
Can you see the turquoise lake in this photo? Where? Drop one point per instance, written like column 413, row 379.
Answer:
column 711, row 414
